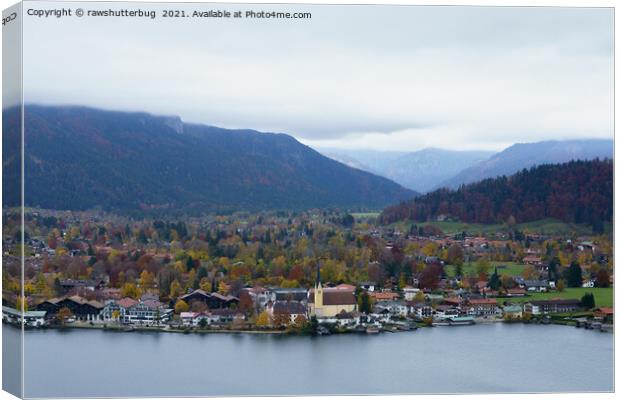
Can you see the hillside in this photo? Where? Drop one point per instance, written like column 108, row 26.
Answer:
column 79, row 158
column 576, row 192
column 526, row 155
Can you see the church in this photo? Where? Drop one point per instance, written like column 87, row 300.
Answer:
column 329, row 302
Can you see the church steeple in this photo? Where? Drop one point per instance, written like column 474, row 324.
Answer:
column 318, row 292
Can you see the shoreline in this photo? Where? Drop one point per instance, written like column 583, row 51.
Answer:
column 143, row 329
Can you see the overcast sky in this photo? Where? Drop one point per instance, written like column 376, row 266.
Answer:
column 389, row 78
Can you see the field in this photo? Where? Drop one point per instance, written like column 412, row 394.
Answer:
column 365, row 215
column 544, row 227
column 603, row 297
column 510, row 268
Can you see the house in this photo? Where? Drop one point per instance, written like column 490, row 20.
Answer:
column 68, row 285
column 394, row 308
column 532, row 260
column 190, row 318
column 535, row 285
column 516, row 292
column 212, row 300
column 30, row 318
column 410, row 292
column 289, row 312
column 107, row 314
column 368, row 286
column 220, row 316
column 445, row 311
column 605, row 314
column 260, row 296
column 224, row 316
column 344, row 286
column 453, row 301
column 420, row 310
column 82, row 309
column 291, row 294
column 513, row 311
column 482, row 307
column 344, row 318
column 552, row 306
column 147, row 312
column 384, row 296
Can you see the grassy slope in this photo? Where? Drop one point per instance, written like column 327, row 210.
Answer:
column 545, row 226
column 511, row 268
column 603, row 297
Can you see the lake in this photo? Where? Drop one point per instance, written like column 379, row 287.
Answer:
column 469, row 359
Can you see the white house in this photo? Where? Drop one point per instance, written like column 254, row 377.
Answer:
column 410, row 292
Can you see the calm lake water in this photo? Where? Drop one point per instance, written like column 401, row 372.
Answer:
column 469, row 359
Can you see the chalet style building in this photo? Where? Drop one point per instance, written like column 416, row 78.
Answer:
column 69, row 285
column 121, row 306
column 84, row 310
column 213, row 300
column 147, row 312
column 289, row 311
column 482, row 307
column 552, row 306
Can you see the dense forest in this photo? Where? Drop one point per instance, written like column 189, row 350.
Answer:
column 79, row 158
column 575, row 192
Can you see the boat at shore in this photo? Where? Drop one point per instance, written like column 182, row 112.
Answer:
column 455, row 321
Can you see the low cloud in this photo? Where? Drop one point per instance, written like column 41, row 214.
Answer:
column 451, row 77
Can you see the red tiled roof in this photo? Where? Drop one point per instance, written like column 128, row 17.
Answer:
column 335, row 297
column 126, row 302
column 384, row 295
column 482, row 301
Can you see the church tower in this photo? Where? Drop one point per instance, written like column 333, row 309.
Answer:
column 318, row 292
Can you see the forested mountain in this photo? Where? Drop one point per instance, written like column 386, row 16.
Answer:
column 420, row 170
column 575, row 192
column 79, row 158
column 526, row 155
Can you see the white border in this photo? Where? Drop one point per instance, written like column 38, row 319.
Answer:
column 507, row 3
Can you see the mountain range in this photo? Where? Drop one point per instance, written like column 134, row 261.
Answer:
column 79, row 158
column 527, row 155
column 429, row 169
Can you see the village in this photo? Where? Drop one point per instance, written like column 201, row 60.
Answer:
column 318, row 273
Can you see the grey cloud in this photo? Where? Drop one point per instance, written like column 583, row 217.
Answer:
column 397, row 77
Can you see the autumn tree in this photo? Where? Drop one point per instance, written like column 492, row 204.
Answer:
column 482, row 269
column 560, row 285
column 131, row 290
column 455, row 255
column 529, row 272
column 263, row 320
column 64, row 314
column 147, row 280
column 602, row 278
column 116, row 314
column 181, row 306
column 21, row 303
column 175, row 289
column 430, row 276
